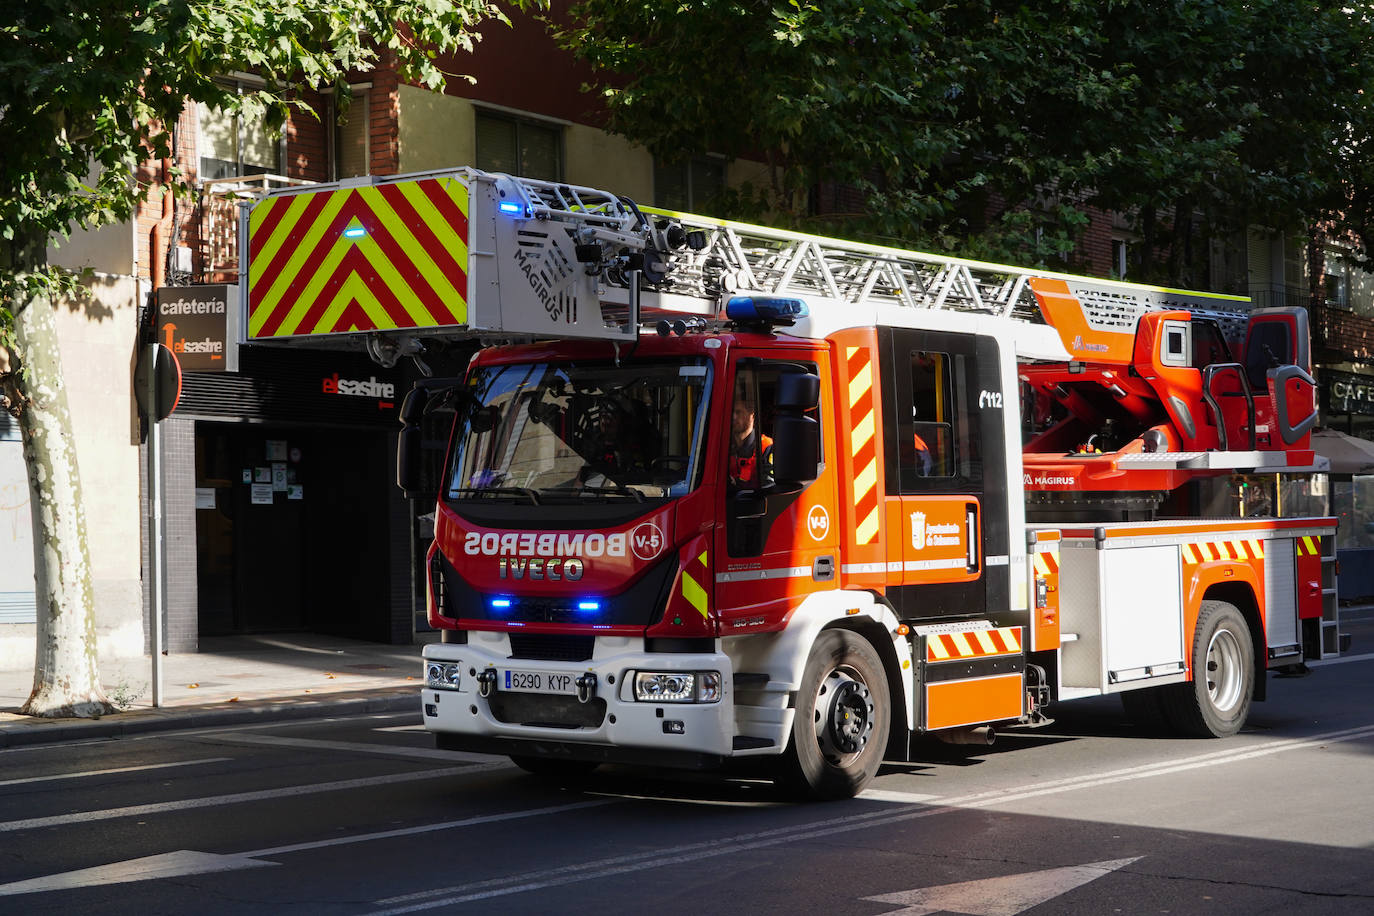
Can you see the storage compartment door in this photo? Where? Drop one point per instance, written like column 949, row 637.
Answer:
column 1143, row 619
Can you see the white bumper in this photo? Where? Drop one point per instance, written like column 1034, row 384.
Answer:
column 661, row 728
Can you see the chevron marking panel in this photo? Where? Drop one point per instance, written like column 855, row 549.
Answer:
column 373, row 258
column 943, row 647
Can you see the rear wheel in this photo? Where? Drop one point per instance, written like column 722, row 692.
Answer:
column 842, row 719
column 1215, row 703
column 555, row 769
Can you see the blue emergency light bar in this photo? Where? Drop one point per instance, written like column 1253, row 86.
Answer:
column 765, row 309
column 510, row 206
column 355, row 232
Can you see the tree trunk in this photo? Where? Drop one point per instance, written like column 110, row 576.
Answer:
column 65, row 679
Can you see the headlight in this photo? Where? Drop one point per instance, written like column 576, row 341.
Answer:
column 443, row 675
column 677, row 686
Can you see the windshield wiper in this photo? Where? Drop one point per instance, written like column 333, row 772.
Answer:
column 526, row 492
column 617, row 490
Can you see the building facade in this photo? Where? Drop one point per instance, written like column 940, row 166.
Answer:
column 278, row 499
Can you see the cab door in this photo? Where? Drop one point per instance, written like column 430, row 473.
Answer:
column 946, row 526
column 776, row 545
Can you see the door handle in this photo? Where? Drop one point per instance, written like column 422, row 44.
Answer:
column 971, row 535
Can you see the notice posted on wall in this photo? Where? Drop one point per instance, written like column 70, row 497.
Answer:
column 205, row 497
column 279, row 477
column 295, row 491
column 262, row 494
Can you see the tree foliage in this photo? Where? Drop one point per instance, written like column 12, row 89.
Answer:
column 96, row 86
column 987, row 127
column 90, row 91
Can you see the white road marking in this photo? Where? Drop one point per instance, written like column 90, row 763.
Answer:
column 514, row 884
column 900, row 798
column 163, row 866
column 343, row 785
column 166, row 865
column 176, row 734
column 185, row 862
column 430, row 828
column 1004, row 896
column 480, row 761
column 150, row 766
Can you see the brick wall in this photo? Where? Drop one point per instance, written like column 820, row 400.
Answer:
column 307, row 141
column 1339, row 335
column 384, row 100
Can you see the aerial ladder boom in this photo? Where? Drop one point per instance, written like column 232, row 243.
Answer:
column 331, row 261
column 390, row 262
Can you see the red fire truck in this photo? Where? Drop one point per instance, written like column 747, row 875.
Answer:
column 717, row 491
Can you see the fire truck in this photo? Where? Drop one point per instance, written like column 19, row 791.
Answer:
column 718, row 494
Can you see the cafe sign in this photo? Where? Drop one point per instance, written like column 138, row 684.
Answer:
column 1348, row 393
column 200, row 325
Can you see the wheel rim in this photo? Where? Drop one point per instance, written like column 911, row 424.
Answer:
column 844, row 714
column 1224, row 675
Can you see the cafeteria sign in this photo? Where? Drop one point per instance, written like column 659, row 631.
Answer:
column 200, row 324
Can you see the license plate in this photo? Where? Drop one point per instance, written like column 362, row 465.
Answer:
column 515, row 681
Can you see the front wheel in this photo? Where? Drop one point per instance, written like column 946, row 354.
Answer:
column 1217, row 700
column 843, row 715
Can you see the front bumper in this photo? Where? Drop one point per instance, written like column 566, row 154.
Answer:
column 611, row 726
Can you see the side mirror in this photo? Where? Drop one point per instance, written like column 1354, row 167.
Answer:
column 408, row 443
column 796, row 436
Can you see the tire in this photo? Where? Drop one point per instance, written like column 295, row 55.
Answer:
column 555, row 769
column 843, row 715
column 1217, row 700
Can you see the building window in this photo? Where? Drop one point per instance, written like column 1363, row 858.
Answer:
column 1337, row 287
column 1120, row 258
column 352, row 138
column 688, row 185
column 232, row 145
column 518, row 146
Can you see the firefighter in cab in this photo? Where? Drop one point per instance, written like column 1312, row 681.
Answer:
column 749, row 447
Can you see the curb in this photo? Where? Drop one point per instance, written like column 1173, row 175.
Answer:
column 145, row 721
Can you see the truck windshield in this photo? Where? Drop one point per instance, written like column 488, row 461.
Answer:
column 578, row 431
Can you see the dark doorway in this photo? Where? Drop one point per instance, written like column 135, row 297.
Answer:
column 291, row 530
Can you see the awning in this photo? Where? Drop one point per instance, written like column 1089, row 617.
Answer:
column 1347, row 454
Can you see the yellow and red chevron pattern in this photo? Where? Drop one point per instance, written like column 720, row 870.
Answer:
column 1047, row 561
column 862, row 443
column 373, row 258
column 694, row 573
column 1308, row 546
column 944, row 647
column 1229, row 549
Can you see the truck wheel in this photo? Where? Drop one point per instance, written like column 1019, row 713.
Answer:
column 1215, row 703
column 842, row 719
column 555, row 769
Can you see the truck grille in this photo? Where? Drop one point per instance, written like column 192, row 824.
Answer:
column 546, row 710
column 551, row 647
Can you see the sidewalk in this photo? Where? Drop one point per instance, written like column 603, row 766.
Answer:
column 232, row 680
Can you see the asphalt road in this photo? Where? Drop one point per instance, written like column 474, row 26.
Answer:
column 364, row 816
